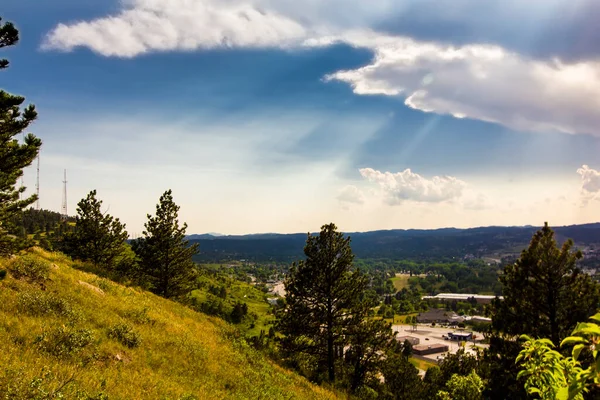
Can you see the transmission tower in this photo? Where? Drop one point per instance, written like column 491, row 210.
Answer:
column 37, row 184
column 63, row 209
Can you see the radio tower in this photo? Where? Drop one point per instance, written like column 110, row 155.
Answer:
column 63, row 210
column 22, row 178
column 37, row 184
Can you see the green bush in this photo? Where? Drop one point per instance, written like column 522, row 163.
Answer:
column 2, row 274
column 30, row 269
column 138, row 316
column 38, row 303
column 64, row 341
column 124, row 334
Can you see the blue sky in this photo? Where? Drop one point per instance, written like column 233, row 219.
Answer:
column 267, row 115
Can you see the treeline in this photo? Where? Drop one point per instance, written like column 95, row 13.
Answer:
column 42, row 222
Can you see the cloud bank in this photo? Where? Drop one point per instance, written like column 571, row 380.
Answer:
column 467, row 80
column 482, row 82
column 406, row 186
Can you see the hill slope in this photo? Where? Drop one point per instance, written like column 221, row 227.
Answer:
column 85, row 337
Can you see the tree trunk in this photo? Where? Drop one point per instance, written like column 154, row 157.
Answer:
column 330, row 349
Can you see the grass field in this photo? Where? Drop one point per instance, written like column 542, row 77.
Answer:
column 422, row 364
column 400, row 281
column 74, row 335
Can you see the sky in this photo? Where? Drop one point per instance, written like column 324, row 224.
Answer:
column 282, row 115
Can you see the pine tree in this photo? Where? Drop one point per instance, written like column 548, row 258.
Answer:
column 324, row 299
column 13, row 155
column 166, row 257
column 545, row 295
column 97, row 237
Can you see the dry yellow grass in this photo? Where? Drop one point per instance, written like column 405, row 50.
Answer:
column 182, row 353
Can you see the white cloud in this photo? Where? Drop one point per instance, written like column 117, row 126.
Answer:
column 482, row 82
column 409, row 186
column 159, row 25
column 478, row 81
column 590, row 184
column 351, row 194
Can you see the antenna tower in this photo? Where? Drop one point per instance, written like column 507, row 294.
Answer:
column 22, row 178
column 63, row 210
column 37, row 184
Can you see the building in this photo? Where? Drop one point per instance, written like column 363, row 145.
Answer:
column 477, row 318
column 411, row 339
column 436, row 315
column 460, row 336
column 479, row 298
column 425, row 349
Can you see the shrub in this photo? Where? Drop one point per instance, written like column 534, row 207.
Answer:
column 64, row 341
column 40, row 303
column 2, row 274
column 30, row 269
column 124, row 334
column 138, row 316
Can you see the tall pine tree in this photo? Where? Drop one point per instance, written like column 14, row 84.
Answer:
column 97, row 237
column 324, row 300
column 14, row 156
column 165, row 256
column 545, row 295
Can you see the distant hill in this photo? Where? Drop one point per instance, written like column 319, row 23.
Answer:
column 75, row 335
column 435, row 244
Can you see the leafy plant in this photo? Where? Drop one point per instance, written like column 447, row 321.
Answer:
column 29, row 268
column 64, row 341
column 40, row 303
column 550, row 375
column 124, row 334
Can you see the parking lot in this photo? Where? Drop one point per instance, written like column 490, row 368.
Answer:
column 429, row 335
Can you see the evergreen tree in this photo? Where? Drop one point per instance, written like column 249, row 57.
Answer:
column 369, row 339
column 97, row 237
column 402, row 381
column 13, row 155
column 165, row 255
column 323, row 301
column 545, row 294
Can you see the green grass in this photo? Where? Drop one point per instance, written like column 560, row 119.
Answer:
column 400, row 281
column 82, row 336
column 238, row 291
column 422, row 364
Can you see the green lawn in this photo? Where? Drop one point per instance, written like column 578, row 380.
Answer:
column 400, row 281
column 422, row 364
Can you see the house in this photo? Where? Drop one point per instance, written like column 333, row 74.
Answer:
column 425, row 349
column 435, row 315
column 411, row 339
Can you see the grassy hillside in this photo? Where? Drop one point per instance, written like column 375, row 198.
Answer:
column 260, row 316
column 79, row 336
